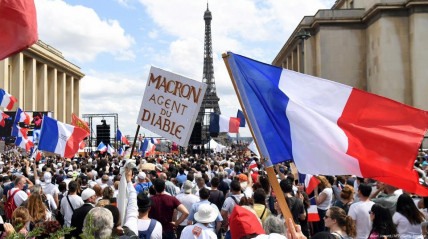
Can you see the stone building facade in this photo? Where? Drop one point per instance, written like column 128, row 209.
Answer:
column 378, row 46
column 42, row 80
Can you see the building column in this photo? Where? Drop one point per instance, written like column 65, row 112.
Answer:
column 418, row 59
column 61, row 96
column 76, row 92
column 4, row 74
column 42, row 87
column 69, row 98
column 30, row 81
column 52, row 91
column 17, row 79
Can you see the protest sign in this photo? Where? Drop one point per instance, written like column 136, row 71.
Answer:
column 170, row 105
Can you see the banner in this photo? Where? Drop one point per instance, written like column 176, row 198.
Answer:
column 170, row 105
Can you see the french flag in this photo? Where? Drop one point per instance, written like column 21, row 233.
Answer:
column 240, row 115
column 60, row 138
column 110, row 150
column 313, row 215
column 121, row 152
column 7, row 100
column 122, row 138
column 220, row 123
column 24, row 143
column 310, row 182
column 329, row 128
column 148, row 148
column 102, row 147
column 3, row 117
column 253, row 164
column 20, row 117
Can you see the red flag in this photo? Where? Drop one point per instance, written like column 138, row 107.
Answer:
column 78, row 122
column 3, row 116
column 18, row 26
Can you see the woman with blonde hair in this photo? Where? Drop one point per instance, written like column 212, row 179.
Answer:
column 340, row 225
column 346, row 198
column 323, row 201
column 21, row 220
column 37, row 208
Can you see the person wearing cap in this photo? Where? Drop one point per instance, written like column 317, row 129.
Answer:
column 244, row 223
column 89, row 197
column 187, row 199
column 143, row 183
column 200, row 230
column 48, row 187
column 204, row 194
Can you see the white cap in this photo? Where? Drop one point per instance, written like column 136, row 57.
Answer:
column 48, row 177
column 87, row 193
column 142, row 175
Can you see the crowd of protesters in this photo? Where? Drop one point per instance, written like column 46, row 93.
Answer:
column 224, row 195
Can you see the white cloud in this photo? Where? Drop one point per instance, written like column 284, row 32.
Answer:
column 79, row 33
column 174, row 37
column 256, row 29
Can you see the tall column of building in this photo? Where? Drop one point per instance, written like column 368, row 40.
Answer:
column 52, row 89
column 17, row 79
column 69, row 102
column 42, row 87
column 30, row 83
column 388, row 58
column 76, row 92
column 4, row 74
column 61, row 107
column 419, row 58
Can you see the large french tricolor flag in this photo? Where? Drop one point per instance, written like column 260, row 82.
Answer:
column 329, row 128
column 220, row 123
column 60, row 138
column 6, row 100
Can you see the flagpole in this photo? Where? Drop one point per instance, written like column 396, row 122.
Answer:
column 135, row 141
column 270, row 170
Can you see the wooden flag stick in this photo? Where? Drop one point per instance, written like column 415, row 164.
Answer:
column 270, row 171
column 135, row 141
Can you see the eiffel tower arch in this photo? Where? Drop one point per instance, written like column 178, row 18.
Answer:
column 210, row 101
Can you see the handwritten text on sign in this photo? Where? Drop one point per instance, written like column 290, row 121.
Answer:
column 170, row 105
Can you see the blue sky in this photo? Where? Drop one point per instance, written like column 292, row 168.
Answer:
column 115, row 42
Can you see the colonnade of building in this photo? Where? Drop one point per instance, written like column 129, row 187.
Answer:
column 42, row 80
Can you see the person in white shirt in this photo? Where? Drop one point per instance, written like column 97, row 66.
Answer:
column 70, row 202
column 323, row 200
column 203, row 217
column 137, row 213
column 48, row 187
column 187, row 199
column 408, row 218
column 20, row 196
column 359, row 211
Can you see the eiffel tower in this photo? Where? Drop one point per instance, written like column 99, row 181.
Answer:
column 210, row 101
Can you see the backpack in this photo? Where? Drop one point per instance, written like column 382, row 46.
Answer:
column 10, row 205
column 129, row 234
column 147, row 233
